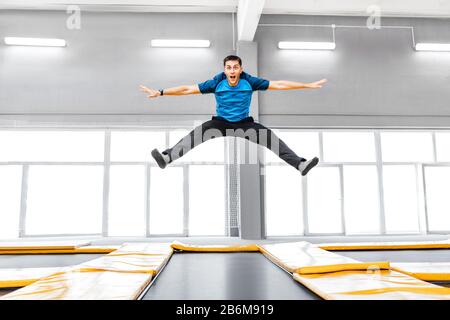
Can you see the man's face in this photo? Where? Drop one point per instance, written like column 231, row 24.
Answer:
column 233, row 71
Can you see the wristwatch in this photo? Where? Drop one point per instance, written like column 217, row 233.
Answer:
column 161, row 91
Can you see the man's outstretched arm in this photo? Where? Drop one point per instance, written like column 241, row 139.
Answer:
column 174, row 91
column 291, row 85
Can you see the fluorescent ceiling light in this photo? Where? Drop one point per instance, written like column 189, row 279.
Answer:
column 433, row 46
column 43, row 42
column 180, row 43
column 295, row 45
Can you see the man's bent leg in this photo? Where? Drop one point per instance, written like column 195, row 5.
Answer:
column 268, row 139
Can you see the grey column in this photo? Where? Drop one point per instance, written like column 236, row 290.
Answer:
column 251, row 209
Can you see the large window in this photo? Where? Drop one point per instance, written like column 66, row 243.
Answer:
column 67, row 146
column 324, row 201
column 10, row 190
column 206, row 200
column 361, row 204
column 126, row 214
column 64, row 200
column 407, row 146
column 55, row 186
column 400, row 198
column 135, row 146
column 368, row 182
column 348, row 147
column 443, row 146
column 167, row 201
column 438, row 204
column 283, row 201
column 105, row 182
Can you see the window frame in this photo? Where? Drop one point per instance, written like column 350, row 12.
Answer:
column 106, row 163
column 422, row 214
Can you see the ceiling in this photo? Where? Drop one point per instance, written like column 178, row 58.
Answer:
column 402, row 8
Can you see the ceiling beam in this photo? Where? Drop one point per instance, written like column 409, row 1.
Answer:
column 125, row 5
column 248, row 14
column 388, row 8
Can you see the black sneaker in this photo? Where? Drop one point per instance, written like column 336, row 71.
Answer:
column 159, row 158
column 305, row 166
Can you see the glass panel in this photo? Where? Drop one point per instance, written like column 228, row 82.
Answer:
column 437, row 181
column 206, row 200
column 361, row 201
column 443, row 146
column 407, row 146
column 127, row 201
column 324, row 200
column 304, row 144
column 208, row 151
column 136, row 145
column 284, row 210
column 400, row 198
column 64, row 200
column 52, row 146
column 349, row 146
column 166, row 200
column 10, row 190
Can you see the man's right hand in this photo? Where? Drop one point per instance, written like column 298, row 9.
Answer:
column 317, row 84
column 152, row 93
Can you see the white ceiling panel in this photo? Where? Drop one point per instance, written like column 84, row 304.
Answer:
column 403, row 8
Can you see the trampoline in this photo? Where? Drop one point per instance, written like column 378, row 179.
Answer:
column 225, row 275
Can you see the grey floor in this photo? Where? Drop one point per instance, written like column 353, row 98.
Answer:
column 44, row 260
column 225, row 276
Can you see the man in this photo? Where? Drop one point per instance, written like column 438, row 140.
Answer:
column 233, row 90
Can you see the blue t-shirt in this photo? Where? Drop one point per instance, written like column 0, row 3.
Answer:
column 233, row 103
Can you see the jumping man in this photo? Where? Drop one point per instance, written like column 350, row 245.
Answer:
column 233, row 90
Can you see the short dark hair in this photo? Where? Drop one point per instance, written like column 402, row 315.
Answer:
column 232, row 58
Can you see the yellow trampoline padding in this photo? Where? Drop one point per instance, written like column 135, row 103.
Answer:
column 144, row 248
column 381, row 285
column 428, row 271
column 214, row 248
column 97, row 249
column 81, row 250
column 21, row 277
column 131, row 258
column 38, row 251
column 122, row 274
column 41, row 245
column 376, row 265
column 305, row 258
column 75, row 285
column 126, row 263
column 443, row 244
